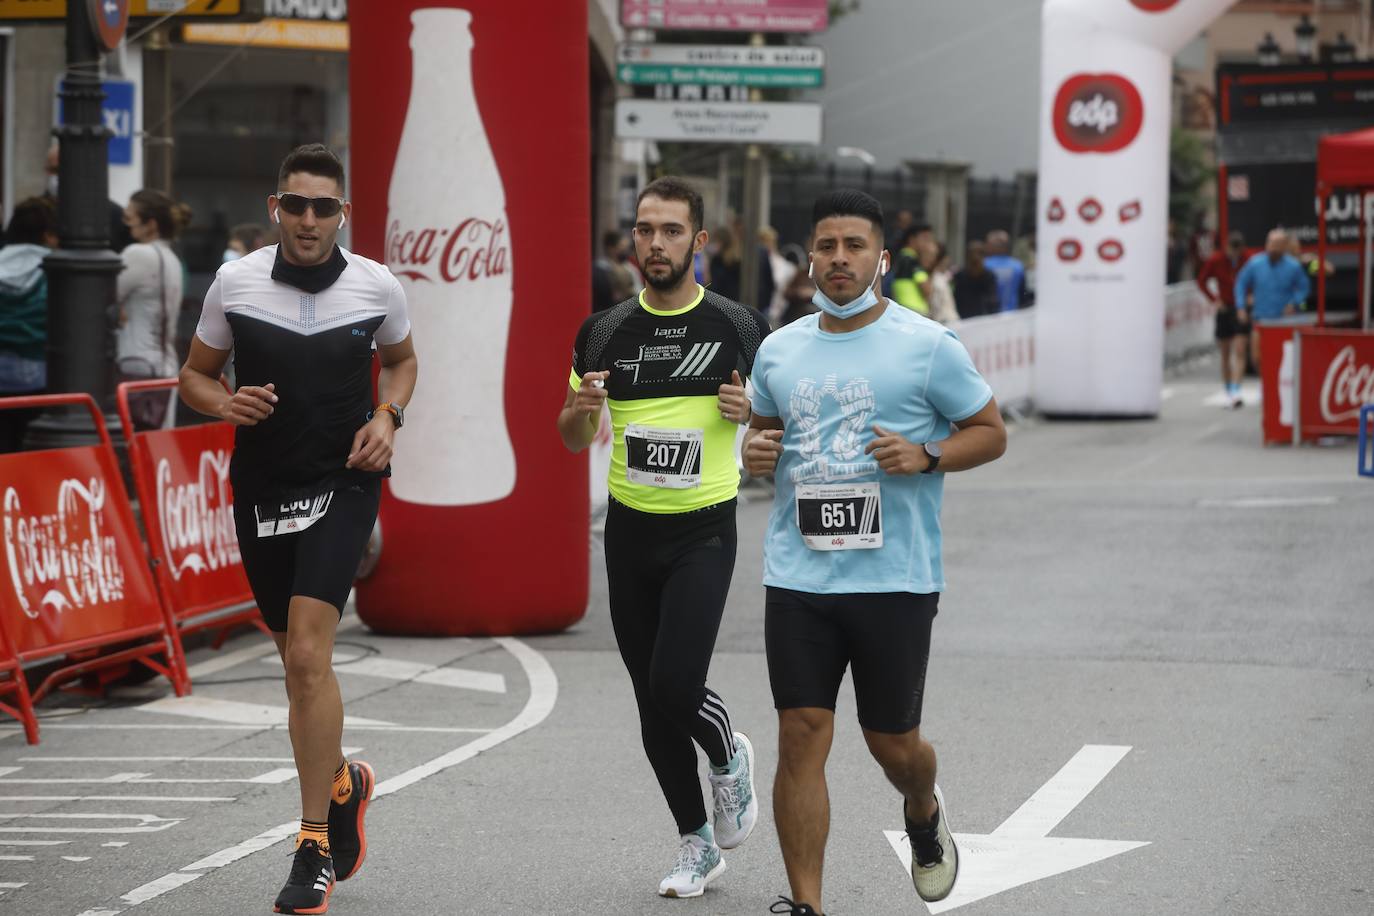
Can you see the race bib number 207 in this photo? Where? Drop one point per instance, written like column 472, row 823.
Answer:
column 840, row 517
column 666, row 458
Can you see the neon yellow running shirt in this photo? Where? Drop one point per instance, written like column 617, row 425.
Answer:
column 672, row 451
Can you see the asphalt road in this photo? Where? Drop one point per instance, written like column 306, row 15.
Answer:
column 1155, row 662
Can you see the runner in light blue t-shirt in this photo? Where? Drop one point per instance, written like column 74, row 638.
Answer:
column 858, row 412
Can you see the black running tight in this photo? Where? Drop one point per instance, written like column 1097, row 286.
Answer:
column 669, row 575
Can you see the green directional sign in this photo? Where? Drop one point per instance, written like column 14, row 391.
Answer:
column 754, row 77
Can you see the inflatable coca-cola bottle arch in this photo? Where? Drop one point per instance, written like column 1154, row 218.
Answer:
column 470, row 178
column 1106, row 67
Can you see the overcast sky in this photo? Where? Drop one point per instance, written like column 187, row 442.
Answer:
column 955, row 80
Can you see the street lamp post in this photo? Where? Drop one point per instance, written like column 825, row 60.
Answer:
column 1343, row 52
column 1306, row 34
column 1270, row 54
column 81, row 272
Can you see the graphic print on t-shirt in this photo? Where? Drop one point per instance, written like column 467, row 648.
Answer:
column 842, row 457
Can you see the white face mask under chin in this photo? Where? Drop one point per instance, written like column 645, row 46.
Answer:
column 865, row 301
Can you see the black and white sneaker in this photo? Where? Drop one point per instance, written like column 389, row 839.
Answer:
column 934, row 857
column 310, row 884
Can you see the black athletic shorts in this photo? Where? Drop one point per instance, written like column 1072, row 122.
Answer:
column 885, row 638
column 319, row 562
column 1228, row 325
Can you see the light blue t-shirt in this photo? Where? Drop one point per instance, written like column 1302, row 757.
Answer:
column 905, row 373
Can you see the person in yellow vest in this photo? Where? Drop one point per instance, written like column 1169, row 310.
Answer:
column 911, row 286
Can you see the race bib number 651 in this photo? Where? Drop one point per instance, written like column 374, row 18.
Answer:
column 667, row 458
column 840, row 517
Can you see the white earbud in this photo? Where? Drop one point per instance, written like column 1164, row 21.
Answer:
column 343, row 221
column 276, row 215
column 811, row 269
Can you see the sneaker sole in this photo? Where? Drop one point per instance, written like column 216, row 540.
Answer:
column 711, row 875
column 739, row 841
column 940, row 797
column 310, row 910
column 369, row 783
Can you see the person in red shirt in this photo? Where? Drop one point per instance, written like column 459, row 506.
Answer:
column 1232, row 332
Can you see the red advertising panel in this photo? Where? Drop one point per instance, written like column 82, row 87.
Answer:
column 73, row 573
column 472, row 183
column 727, row 15
column 1335, row 379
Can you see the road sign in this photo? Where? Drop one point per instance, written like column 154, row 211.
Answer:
column 38, row 11
column 704, row 122
column 727, row 15
column 117, row 114
column 721, row 65
column 1021, row 850
column 109, row 18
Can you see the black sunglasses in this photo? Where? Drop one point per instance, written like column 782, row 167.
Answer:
column 295, row 204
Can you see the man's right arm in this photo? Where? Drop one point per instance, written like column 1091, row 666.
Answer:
column 201, row 389
column 580, row 417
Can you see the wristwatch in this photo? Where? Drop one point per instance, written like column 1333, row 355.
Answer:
column 397, row 412
column 933, row 452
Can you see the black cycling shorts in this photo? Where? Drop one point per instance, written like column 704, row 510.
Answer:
column 885, row 638
column 1229, row 325
column 319, row 562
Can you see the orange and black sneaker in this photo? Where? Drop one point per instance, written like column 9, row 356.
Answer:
column 347, row 839
column 310, row 884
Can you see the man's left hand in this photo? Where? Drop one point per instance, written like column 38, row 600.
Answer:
column 896, row 455
column 372, row 444
column 733, row 403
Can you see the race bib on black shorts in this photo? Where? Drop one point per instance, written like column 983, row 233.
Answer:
column 666, row 458
column 291, row 515
column 840, row 516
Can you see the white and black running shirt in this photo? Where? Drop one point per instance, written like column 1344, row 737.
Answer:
column 317, row 349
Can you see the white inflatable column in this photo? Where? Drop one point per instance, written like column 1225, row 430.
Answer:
column 1103, row 200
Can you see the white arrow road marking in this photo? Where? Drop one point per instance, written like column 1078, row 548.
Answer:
column 1020, row 850
column 233, row 712
column 395, row 669
column 147, row 823
column 543, row 695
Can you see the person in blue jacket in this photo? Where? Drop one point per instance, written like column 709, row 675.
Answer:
column 1272, row 284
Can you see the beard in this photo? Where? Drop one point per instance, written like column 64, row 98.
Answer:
column 674, row 276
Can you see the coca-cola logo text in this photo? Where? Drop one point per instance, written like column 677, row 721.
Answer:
column 1347, row 387
column 474, row 250
column 1097, row 113
column 62, row 560
column 197, row 517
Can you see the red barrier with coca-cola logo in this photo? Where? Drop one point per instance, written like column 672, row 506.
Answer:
column 74, row 577
column 13, row 684
column 471, row 180
column 182, row 479
column 1335, row 378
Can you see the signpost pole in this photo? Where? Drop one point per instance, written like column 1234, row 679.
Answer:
column 82, row 271
column 754, row 167
column 157, row 113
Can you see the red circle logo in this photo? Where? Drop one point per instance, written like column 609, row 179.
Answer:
column 1070, row 250
column 1056, row 211
column 1090, row 210
column 1155, row 6
column 1111, row 250
column 1097, row 113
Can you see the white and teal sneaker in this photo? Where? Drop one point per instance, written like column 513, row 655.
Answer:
column 698, row 864
column 732, row 791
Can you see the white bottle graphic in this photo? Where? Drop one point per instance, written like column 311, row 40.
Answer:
column 449, row 244
column 1286, row 385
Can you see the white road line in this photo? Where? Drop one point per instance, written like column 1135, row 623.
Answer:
column 249, row 653
column 348, row 723
column 16, row 858
column 1267, row 502
column 12, row 885
column 4, row 842
column 147, row 823
column 115, row 845
column 5, row 771
column 1053, row 801
column 232, row 711
column 76, row 858
column 543, row 696
column 115, row 779
column 347, row 751
column 187, row 799
column 283, row 774
column 274, row 776
column 395, row 669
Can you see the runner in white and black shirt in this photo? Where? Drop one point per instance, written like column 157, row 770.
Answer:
column 302, row 320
